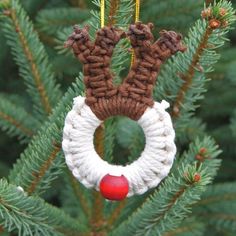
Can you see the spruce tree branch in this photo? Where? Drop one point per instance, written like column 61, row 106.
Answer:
column 213, row 199
column 15, row 120
column 44, row 168
column 221, row 216
column 116, row 213
column 208, row 2
column 188, row 76
column 52, row 21
column 42, row 147
column 33, row 215
column 79, row 194
column 17, row 124
column 97, row 220
column 174, row 200
column 181, row 229
column 33, row 65
column 79, row 3
column 114, row 6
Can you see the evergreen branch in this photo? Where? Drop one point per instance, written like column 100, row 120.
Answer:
column 97, row 216
column 78, row 3
column 4, row 4
column 223, row 222
column 189, row 227
column 31, row 58
column 215, row 23
column 116, row 213
column 33, row 66
column 15, row 120
column 38, row 164
column 218, row 193
column 196, row 129
column 203, row 39
column 130, row 136
column 162, row 14
column 173, row 199
column 16, row 124
column 188, row 77
column 32, row 170
column 221, row 216
column 79, row 194
column 31, row 215
column 51, row 21
column 181, row 230
column 208, row 2
column 132, row 204
column 114, row 5
column 214, row 199
column 33, row 7
column 204, row 151
column 43, row 169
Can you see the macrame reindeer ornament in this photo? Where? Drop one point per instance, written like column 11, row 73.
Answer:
column 133, row 98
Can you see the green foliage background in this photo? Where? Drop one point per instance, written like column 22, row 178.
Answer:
column 32, row 56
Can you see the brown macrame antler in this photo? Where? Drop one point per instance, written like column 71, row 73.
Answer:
column 149, row 57
column 96, row 59
column 134, row 95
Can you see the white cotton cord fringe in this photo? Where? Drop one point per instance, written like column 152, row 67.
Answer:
column 146, row 172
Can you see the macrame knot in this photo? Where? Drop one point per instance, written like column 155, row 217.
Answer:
column 172, row 41
column 134, row 95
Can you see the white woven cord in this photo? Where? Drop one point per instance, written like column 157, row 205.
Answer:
column 144, row 173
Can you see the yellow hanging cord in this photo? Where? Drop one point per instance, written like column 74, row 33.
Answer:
column 137, row 15
column 137, row 10
column 102, row 6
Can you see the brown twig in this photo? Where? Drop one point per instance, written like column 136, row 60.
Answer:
column 188, row 76
column 79, row 194
column 219, row 215
column 17, row 124
column 181, row 229
column 38, row 175
column 115, row 214
column 113, row 10
column 173, row 201
column 208, row 2
column 1, row 229
column 35, row 71
column 79, row 3
column 97, row 220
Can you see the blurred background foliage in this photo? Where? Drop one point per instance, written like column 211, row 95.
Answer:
column 53, row 18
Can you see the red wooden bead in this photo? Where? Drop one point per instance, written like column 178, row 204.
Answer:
column 114, row 188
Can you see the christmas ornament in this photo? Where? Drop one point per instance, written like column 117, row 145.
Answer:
column 133, row 98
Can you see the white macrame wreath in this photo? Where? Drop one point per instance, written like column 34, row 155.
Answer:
column 144, row 173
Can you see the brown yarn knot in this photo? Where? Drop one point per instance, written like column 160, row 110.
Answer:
column 134, row 95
